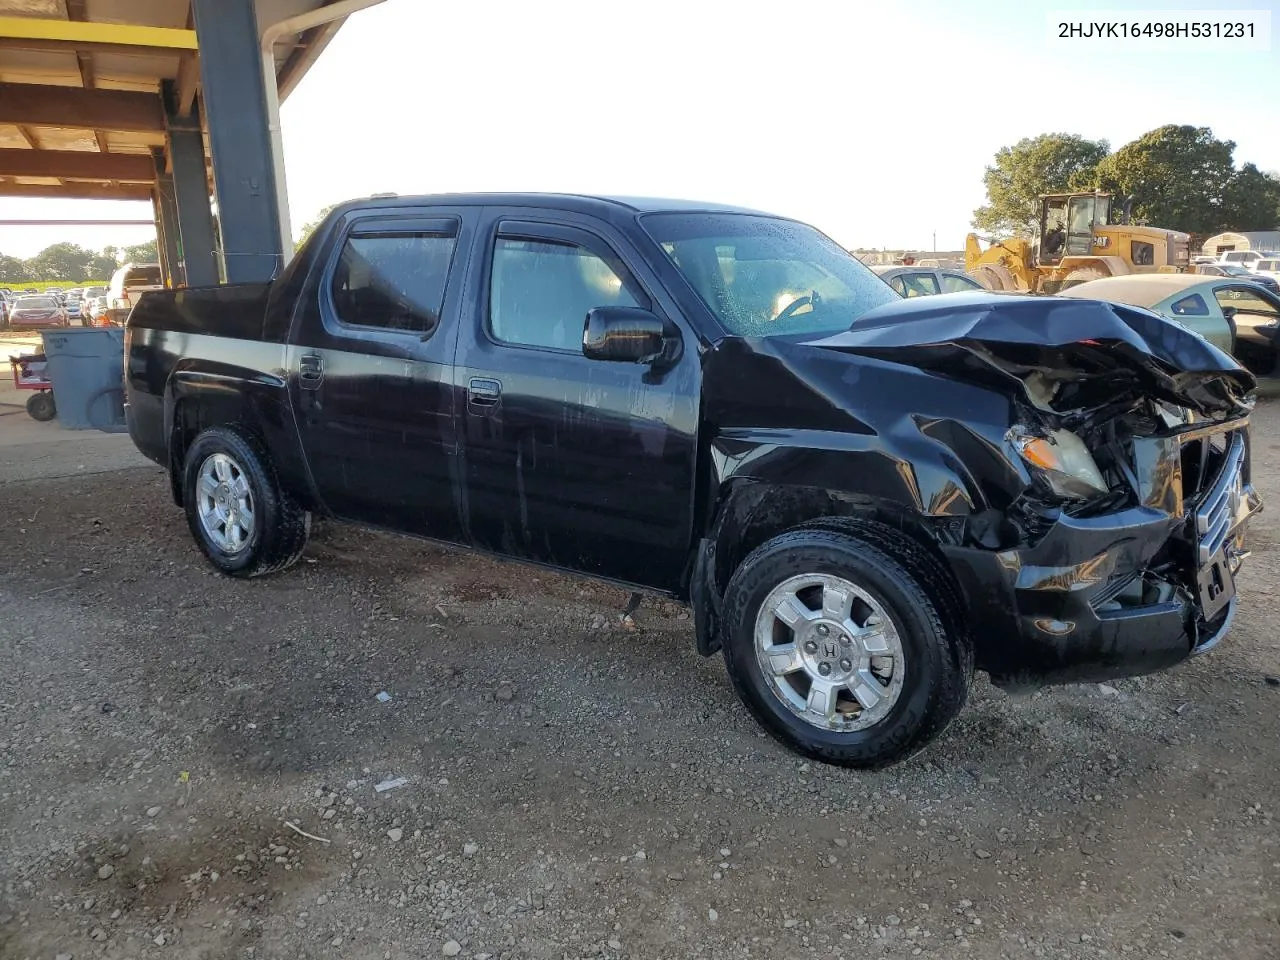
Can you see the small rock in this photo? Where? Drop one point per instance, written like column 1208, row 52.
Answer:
column 791, row 923
column 328, row 814
column 63, row 956
column 712, row 915
column 675, row 876
column 841, row 842
column 982, row 854
column 1273, row 681
column 641, row 855
column 614, row 944
column 153, row 812
column 395, row 834
column 451, row 949
column 1107, row 690
column 160, row 940
column 105, row 871
column 98, row 934
column 469, row 850
column 506, row 692
column 725, row 851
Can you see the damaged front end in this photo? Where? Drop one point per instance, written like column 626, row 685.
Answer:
column 1116, row 550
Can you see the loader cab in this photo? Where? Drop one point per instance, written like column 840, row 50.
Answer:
column 1067, row 223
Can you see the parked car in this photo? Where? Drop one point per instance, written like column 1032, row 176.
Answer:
column 127, row 284
column 916, row 281
column 96, row 313
column 670, row 395
column 5, row 305
column 1238, row 273
column 34, row 313
column 92, row 293
column 1268, row 268
column 1247, row 258
column 72, row 306
column 1233, row 314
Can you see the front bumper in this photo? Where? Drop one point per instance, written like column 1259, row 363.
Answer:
column 1123, row 594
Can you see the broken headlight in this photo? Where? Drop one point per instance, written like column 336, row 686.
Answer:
column 1062, row 460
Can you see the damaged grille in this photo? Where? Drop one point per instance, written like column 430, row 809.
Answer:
column 1220, row 501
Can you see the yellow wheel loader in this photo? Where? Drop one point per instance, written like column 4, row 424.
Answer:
column 1076, row 242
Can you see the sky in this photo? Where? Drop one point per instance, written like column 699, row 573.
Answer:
column 872, row 119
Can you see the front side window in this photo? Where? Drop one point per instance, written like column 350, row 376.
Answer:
column 1142, row 254
column 951, row 283
column 764, row 277
column 393, row 281
column 1246, row 301
column 541, row 291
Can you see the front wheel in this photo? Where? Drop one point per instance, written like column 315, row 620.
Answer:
column 844, row 644
column 243, row 521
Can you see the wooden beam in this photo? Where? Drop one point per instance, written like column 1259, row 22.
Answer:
column 76, row 165
column 82, row 33
column 185, row 88
column 48, row 106
column 29, row 135
column 77, row 191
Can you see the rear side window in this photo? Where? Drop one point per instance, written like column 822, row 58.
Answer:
column 542, row 290
column 142, row 277
column 1192, row 306
column 920, row 285
column 954, row 284
column 393, row 280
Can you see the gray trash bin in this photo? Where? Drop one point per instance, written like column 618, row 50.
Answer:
column 86, row 366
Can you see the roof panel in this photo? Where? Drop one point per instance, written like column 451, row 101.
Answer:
column 150, row 13
column 53, row 9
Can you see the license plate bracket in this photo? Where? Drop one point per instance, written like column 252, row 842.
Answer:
column 1216, row 586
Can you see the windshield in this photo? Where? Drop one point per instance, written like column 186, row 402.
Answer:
column 95, row 292
column 764, row 277
column 37, row 303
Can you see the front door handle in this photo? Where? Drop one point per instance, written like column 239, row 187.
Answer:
column 310, row 371
column 483, row 391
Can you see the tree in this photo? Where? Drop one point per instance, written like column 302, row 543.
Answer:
column 1179, row 178
column 62, row 261
column 103, row 265
column 1049, row 163
column 12, row 269
column 142, row 253
column 310, row 226
column 1251, row 200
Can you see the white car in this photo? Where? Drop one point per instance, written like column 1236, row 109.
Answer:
column 127, row 285
column 1249, row 259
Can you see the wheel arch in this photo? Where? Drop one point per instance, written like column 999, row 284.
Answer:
column 750, row 512
column 201, row 395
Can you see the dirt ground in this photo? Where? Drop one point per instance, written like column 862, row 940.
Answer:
column 576, row 785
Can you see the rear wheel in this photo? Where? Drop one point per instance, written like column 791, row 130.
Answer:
column 245, row 524
column 843, row 646
column 40, row 406
column 1082, row 275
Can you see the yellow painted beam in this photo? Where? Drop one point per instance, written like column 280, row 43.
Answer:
column 84, row 32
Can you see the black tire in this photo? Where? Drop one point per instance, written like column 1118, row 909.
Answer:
column 41, row 406
column 913, row 588
column 281, row 525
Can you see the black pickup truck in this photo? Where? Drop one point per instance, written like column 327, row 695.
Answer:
column 861, row 497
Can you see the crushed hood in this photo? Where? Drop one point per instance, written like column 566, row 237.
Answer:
column 1067, row 355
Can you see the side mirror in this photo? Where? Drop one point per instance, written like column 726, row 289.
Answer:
column 625, row 334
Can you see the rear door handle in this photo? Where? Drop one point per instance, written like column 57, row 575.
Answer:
column 310, row 370
column 483, row 392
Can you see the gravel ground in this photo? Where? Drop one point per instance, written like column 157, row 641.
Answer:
column 576, row 784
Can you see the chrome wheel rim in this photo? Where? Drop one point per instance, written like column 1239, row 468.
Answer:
column 829, row 652
column 225, row 503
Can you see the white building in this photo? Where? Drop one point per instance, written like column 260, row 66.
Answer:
column 1247, row 240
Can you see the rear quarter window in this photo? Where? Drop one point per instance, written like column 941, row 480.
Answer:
column 1192, row 306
